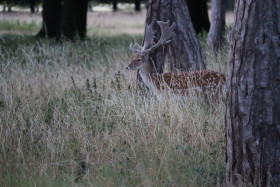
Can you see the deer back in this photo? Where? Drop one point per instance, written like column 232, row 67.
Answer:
column 207, row 81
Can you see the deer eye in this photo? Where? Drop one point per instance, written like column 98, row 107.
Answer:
column 139, row 59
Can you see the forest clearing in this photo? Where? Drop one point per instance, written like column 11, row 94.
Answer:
column 72, row 115
column 65, row 104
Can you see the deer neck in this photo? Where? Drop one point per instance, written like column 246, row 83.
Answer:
column 147, row 74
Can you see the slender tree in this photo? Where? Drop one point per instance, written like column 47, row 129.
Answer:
column 32, row 6
column 217, row 29
column 253, row 96
column 115, row 5
column 137, row 5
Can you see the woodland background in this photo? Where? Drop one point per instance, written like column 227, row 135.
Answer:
column 70, row 114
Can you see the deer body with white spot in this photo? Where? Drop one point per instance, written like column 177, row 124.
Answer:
column 206, row 81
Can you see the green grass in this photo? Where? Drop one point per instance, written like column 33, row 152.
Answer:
column 66, row 105
column 18, row 26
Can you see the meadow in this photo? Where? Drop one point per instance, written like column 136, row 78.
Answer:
column 70, row 114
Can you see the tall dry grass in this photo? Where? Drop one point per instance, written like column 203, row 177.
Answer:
column 70, row 116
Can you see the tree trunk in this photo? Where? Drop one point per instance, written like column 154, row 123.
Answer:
column 82, row 7
column 51, row 18
column 32, row 6
column 74, row 18
column 199, row 15
column 115, row 5
column 253, row 96
column 90, row 8
column 137, row 5
column 66, row 17
column 217, row 29
column 185, row 51
column 230, row 5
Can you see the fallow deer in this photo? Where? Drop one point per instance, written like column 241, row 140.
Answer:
column 206, row 82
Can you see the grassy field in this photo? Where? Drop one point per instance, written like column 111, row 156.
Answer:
column 70, row 114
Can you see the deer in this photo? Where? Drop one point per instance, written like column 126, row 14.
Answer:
column 207, row 82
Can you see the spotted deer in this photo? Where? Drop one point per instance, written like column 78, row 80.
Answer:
column 206, row 81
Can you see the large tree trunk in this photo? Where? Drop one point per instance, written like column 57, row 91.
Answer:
column 217, row 29
column 199, row 15
column 185, row 51
column 67, row 17
column 51, row 18
column 82, row 8
column 253, row 96
column 74, row 18
column 230, row 5
column 68, row 20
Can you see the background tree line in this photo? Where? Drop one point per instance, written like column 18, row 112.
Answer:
column 68, row 17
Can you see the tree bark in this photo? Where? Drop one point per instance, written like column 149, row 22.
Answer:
column 253, row 95
column 218, row 23
column 199, row 15
column 230, row 5
column 185, row 51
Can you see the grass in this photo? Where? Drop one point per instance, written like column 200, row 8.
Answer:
column 16, row 25
column 70, row 116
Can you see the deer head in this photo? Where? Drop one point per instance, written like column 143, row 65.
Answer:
column 143, row 52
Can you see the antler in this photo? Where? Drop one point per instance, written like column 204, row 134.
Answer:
column 134, row 47
column 149, row 37
column 148, row 40
column 166, row 33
